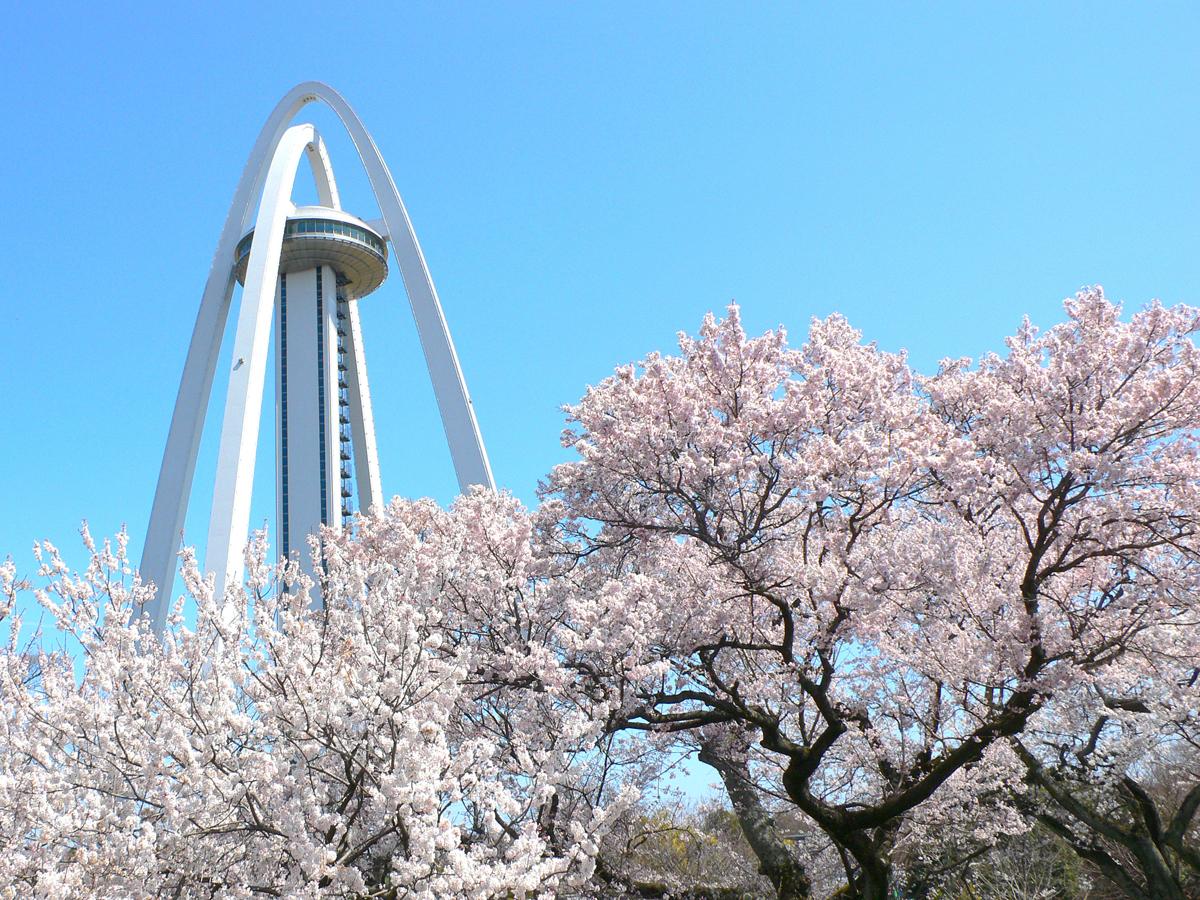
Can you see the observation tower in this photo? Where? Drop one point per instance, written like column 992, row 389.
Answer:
column 303, row 270
column 328, row 259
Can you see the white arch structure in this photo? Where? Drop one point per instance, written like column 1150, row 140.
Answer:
column 269, row 174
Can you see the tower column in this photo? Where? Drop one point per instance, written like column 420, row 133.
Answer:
column 306, row 420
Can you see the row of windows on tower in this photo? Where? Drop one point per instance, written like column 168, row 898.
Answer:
column 319, row 226
column 283, row 419
column 325, row 226
column 321, row 423
column 343, row 407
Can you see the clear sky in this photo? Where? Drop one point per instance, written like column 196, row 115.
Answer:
column 585, row 180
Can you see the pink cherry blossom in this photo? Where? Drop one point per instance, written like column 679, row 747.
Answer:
column 883, row 576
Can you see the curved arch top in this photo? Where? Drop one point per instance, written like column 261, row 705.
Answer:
column 450, row 388
column 454, row 404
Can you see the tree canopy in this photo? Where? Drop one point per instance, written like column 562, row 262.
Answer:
column 899, row 616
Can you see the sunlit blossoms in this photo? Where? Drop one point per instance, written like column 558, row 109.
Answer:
column 898, row 617
column 268, row 750
column 882, row 576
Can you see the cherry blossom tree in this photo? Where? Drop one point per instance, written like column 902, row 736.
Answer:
column 879, row 577
column 884, row 604
column 497, row 601
column 1116, row 772
column 271, row 749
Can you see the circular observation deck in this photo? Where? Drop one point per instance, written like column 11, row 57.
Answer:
column 320, row 236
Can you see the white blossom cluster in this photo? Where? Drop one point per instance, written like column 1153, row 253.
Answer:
column 908, row 612
column 269, row 750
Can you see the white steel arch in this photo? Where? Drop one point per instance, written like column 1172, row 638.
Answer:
column 179, row 460
column 229, row 521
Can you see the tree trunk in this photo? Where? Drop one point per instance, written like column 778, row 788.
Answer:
column 874, row 867
column 1161, row 883
column 776, row 859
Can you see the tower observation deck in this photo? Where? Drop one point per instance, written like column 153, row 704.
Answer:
column 318, row 235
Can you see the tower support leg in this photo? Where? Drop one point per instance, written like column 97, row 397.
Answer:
column 230, row 518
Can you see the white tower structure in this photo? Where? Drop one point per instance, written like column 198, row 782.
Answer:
column 303, row 269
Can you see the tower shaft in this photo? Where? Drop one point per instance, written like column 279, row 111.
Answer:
column 307, row 412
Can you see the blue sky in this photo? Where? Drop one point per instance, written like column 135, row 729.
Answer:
column 585, row 180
